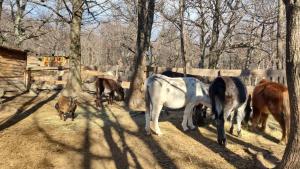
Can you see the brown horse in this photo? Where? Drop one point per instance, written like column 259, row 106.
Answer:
column 270, row 97
column 109, row 84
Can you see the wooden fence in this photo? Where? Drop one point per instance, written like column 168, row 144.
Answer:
column 58, row 75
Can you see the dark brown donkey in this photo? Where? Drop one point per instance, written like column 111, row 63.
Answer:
column 270, row 97
column 112, row 86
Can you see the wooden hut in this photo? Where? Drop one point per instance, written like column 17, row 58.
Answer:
column 13, row 76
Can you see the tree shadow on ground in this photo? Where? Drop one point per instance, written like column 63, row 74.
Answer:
column 23, row 112
column 10, row 98
column 158, row 153
column 265, row 135
column 230, row 156
column 88, row 156
column 121, row 155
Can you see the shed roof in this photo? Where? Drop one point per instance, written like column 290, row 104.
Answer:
column 20, row 54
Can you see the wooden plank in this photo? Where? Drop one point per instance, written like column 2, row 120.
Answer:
column 40, row 68
column 223, row 72
column 125, row 84
column 99, row 74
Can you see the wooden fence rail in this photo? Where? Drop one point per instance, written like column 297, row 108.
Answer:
column 246, row 75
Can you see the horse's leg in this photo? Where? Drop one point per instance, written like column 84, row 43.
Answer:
column 255, row 118
column 111, row 97
column 283, row 127
column 186, row 116
column 279, row 117
column 232, row 117
column 185, row 119
column 155, row 116
column 147, row 125
column 228, row 110
column 263, row 118
column 218, row 110
column 239, row 118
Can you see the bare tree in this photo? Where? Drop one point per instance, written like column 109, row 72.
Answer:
column 1, row 3
column 74, row 82
column 291, row 157
column 181, row 25
column 1, row 36
column 145, row 21
column 280, row 36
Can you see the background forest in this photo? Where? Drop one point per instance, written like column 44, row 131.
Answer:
column 228, row 34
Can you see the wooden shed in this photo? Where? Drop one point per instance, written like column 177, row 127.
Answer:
column 13, row 76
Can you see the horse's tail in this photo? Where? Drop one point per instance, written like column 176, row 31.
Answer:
column 286, row 111
column 217, row 95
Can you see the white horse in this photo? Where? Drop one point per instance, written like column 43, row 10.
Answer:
column 173, row 93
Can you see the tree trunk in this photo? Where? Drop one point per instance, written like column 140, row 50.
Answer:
column 213, row 57
column 291, row 157
column 21, row 6
column 202, row 42
column 1, row 2
column 182, row 51
column 280, row 36
column 136, row 99
column 73, row 85
column 1, row 36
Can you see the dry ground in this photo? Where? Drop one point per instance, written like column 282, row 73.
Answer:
column 33, row 136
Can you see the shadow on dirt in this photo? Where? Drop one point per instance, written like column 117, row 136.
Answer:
column 22, row 112
column 230, row 156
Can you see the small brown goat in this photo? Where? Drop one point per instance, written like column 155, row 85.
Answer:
column 66, row 105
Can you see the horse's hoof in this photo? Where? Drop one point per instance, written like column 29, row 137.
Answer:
column 231, row 131
column 185, row 128
column 159, row 133
column 222, row 142
column 148, row 131
column 239, row 133
column 225, row 143
column 262, row 129
column 193, row 127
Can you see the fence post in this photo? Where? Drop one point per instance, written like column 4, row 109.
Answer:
column 27, row 79
column 60, row 76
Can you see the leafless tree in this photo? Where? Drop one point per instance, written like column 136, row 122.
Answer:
column 145, row 21
column 291, row 157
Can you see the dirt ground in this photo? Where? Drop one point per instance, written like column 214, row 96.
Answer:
column 33, row 136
